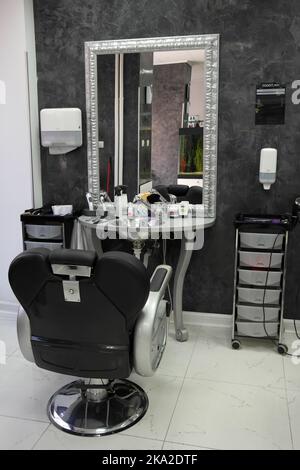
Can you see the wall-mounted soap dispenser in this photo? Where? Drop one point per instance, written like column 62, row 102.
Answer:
column 61, row 129
column 267, row 167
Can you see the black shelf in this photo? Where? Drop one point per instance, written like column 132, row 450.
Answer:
column 191, row 131
column 45, row 240
column 48, row 219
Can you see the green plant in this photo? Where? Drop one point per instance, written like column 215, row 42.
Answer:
column 199, row 156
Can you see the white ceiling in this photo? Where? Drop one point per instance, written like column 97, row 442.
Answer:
column 175, row 57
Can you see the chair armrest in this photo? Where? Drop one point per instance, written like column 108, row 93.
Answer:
column 151, row 326
column 160, row 280
column 24, row 335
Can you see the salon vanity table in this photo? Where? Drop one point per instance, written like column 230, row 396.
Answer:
column 90, row 230
column 134, row 138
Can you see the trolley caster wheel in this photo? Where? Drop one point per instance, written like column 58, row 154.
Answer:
column 236, row 344
column 282, row 349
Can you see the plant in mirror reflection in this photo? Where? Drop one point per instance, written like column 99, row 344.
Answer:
column 199, row 157
column 191, row 152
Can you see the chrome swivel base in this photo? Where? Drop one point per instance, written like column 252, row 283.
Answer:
column 83, row 409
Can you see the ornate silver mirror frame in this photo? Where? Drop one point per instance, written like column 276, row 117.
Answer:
column 209, row 42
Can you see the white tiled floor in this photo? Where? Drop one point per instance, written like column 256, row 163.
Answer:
column 204, row 396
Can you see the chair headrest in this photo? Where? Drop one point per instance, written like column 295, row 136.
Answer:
column 120, row 277
column 194, row 195
column 178, row 189
column 72, row 262
column 163, row 190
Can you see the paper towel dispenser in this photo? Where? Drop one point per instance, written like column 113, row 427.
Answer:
column 61, row 129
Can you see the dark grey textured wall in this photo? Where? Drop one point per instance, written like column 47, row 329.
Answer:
column 260, row 41
column 130, row 144
column 106, row 119
column 146, row 81
column 168, row 96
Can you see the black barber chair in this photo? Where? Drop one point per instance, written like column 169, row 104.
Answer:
column 193, row 194
column 93, row 318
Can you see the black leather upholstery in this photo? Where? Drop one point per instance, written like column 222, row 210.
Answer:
column 91, row 338
column 178, row 189
column 73, row 257
column 163, row 190
column 125, row 282
column 158, row 279
column 194, row 195
column 183, row 192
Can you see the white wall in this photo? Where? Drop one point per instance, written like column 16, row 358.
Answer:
column 33, row 104
column 15, row 147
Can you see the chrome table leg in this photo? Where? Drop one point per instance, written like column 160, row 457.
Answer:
column 182, row 265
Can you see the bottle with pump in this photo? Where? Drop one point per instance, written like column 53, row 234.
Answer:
column 121, row 200
column 102, row 209
column 268, row 167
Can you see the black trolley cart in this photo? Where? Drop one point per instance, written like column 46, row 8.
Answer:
column 259, row 277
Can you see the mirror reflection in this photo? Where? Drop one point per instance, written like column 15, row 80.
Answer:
column 151, row 109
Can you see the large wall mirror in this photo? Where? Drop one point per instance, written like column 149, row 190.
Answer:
column 152, row 114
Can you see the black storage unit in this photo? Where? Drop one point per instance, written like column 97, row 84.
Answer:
column 46, row 230
column 259, row 279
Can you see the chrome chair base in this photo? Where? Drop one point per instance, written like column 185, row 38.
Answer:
column 114, row 407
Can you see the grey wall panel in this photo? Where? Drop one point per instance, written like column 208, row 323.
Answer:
column 259, row 42
column 106, row 107
column 169, row 83
column 131, row 112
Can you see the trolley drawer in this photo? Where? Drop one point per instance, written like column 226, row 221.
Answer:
column 43, row 231
column 260, row 260
column 266, row 241
column 257, row 329
column 256, row 313
column 259, row 296
column 259, row 278
column 50, row 246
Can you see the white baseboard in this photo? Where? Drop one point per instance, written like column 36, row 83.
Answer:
column 207, row 319
column 8, row 310
column 225, row 321
column 289, row 325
